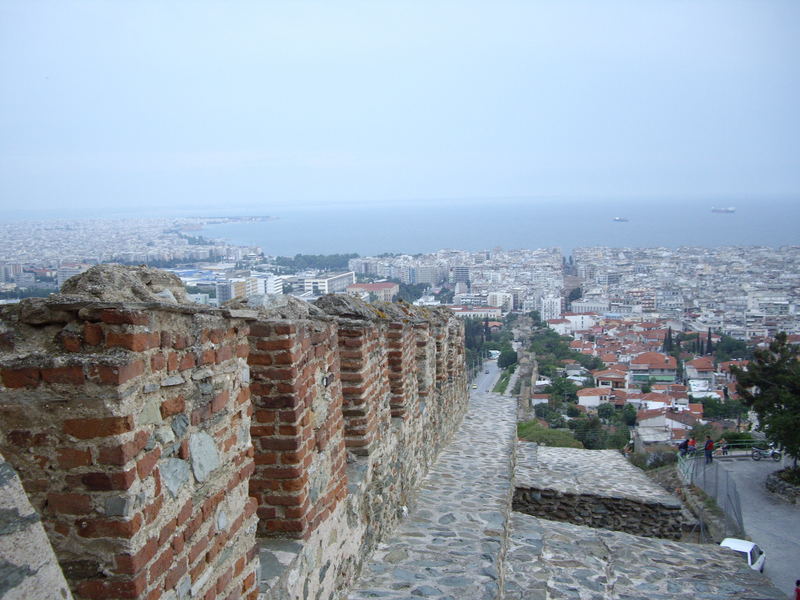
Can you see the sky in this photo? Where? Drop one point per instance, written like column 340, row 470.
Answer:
column 167, row 103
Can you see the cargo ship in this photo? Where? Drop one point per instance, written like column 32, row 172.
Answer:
column 620, row 219
column 723, row 209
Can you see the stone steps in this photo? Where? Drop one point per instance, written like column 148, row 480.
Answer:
column 453, row 542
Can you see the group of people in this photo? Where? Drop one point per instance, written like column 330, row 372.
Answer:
column 690, row 447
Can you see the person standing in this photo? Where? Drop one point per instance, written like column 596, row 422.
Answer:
column 797, row 590
column 692, row 446
column 708, row 447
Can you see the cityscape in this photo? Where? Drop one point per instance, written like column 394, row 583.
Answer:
column 430, row 300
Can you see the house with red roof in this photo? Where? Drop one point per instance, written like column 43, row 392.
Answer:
column 591, row 398
column 700, row 368
column 652, row 366
column 611, row 378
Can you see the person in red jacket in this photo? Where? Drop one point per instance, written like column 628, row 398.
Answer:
column 708, row 447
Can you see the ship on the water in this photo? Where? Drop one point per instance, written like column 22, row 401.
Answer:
column 723, row 209
column 620, row 219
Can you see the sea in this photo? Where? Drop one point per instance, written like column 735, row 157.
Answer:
column 423, row 226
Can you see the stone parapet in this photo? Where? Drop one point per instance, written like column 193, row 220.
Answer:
column 595, row 488
column 128, row 423
column 156, row 439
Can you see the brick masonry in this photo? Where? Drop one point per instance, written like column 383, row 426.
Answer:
column 157, row 439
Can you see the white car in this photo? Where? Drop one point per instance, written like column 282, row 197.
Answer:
column 754, row 555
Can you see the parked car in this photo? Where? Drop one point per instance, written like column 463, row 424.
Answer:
column 754, row 555
column 474, row 386
column 486, row 371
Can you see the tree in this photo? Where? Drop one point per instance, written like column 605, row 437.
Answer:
column 729, row 348
column 770, row 385
column 628, row 415
column 562, row 389
column 668, row 343
column 507, row 358
column 590, row 432
column 606, row 411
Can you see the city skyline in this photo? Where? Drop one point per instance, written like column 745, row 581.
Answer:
column 250, row 105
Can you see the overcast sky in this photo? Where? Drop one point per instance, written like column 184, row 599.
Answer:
column 156, row 103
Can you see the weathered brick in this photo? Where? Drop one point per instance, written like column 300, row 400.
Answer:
column 70, row 458
column 71, row 375
column 110, row 528
column 145, row 465
column 187, row 362
column 161, row 564
column 108, row 481
column 99, row 589
column 133, row 563
column 173, row 406
column 19, row 378
column 117, row 375
column 92, row 334
column 224, row 353
column 178, row 570
column 93, row 428
column 121, row 454
column 138, row 342
column 71, row 504
column 71, row 342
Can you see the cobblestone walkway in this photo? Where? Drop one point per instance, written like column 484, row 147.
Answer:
column 549, row 560
column 452, row 544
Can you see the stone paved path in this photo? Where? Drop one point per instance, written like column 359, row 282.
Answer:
column 548, row 560
column 452, row 543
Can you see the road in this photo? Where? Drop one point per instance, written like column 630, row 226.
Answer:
column 485, row 381
column 771, row 523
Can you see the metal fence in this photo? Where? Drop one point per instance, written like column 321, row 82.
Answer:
column 717, row 483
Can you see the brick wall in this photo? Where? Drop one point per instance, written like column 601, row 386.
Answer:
column 298, row 429
column 155, row 439
column 123, row 421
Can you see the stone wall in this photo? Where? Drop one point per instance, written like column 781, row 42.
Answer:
column 618, row 514
column 157, row 439
column 782, row 489
column 387, row 455
column 595, row 488
column 128, row 424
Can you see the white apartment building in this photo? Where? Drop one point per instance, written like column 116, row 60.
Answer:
column 329, row 283
column 549, row 307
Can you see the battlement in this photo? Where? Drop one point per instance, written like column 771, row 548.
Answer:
column 159, row 440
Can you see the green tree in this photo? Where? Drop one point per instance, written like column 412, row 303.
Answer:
column 606, row 411
column 668, row 342
column 507, row 358
column 590, row 433
column 575, row 294
column 729, row 348
column 562, row 389
column 627, row 416
column 770, row 385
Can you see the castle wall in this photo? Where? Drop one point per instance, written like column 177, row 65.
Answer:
column 129, row 427
column 391, row 454
column 166, row 445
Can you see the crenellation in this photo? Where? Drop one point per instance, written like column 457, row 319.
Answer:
column 158, row 441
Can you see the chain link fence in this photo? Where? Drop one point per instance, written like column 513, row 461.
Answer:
column 718, row 484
